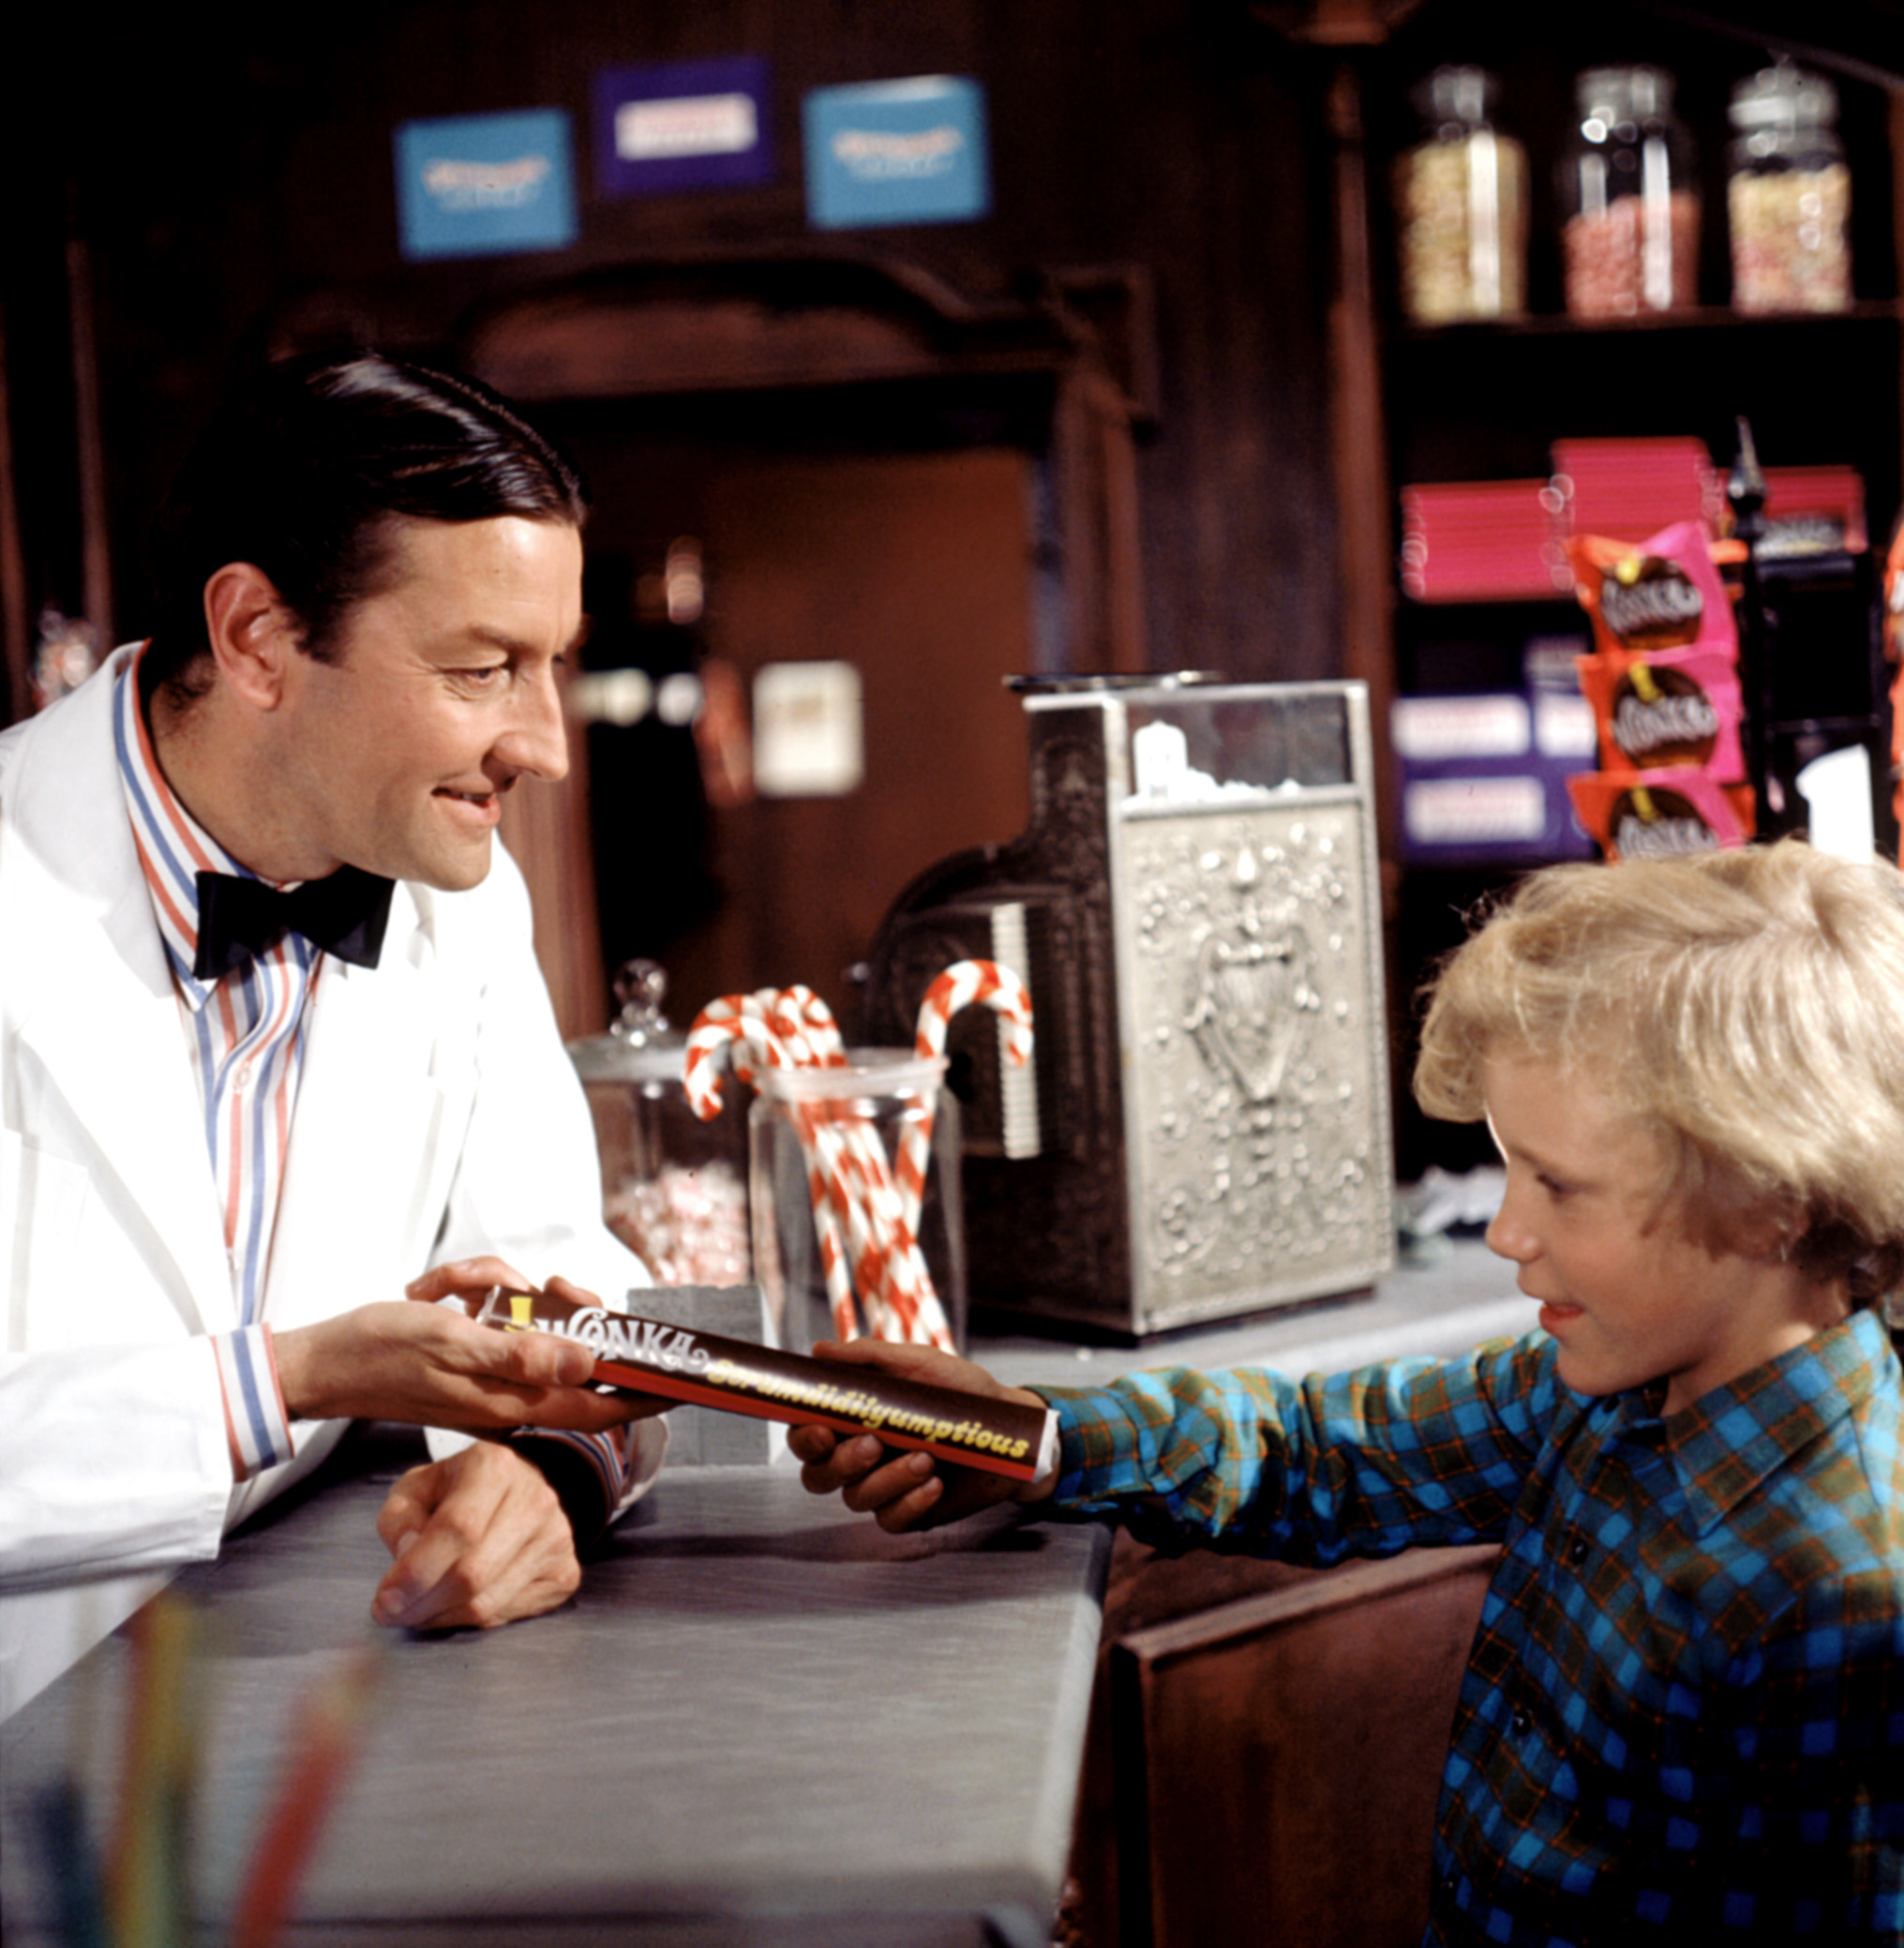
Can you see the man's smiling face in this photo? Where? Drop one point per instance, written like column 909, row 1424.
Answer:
column 442, row 691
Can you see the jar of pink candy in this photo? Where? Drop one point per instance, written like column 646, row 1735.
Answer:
column 1629, row 199
column 674, row 1186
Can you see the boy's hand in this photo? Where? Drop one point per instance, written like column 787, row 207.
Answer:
column 910, row 1489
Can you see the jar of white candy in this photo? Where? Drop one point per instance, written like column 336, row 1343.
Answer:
column 674, row 1189
column 1461, row 205
column 1787, row 194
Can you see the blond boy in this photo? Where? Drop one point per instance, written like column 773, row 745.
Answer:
column 1682, row 1714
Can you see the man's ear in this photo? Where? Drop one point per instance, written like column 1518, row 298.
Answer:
column 251, row 633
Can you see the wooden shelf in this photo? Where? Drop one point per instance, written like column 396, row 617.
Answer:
column 1702, row 319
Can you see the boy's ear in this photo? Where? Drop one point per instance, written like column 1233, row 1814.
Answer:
column 1768, row 1233
column 251, row 631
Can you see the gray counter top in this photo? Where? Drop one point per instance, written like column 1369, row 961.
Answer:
column 1466, row 1297
column 761, row 1721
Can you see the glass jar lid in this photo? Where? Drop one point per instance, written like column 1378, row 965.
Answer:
column 1783, row 97
column 1609, row 98
column 639, row 1046
column 1455, row 93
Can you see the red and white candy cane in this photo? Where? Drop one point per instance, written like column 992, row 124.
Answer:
column 732, row 1023
column 987, row 984
column 721, row 1025
column 844, row 1163
column 865, row 1237
column 893, row 1281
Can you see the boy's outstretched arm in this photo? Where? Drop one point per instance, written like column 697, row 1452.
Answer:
column 910, row 1491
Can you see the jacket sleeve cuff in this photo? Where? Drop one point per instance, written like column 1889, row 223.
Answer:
column 595, row 1477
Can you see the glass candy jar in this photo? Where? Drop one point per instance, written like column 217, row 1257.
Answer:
column 1629, row 199
column 1460, row 204
column 854, row 1186
column 1787, row 194
column 674, row 1189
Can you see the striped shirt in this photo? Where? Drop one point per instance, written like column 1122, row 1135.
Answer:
column 246, row 1035
column 1682, row 1714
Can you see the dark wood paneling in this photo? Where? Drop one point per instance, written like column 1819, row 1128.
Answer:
column 1278, row 1758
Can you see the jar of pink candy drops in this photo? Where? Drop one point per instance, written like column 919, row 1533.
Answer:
column 674, row 1188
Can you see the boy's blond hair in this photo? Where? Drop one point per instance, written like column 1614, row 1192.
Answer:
column 1745, row 1006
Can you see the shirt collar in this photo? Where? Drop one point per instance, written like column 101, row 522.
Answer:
column 1730, row 1440
column 174, row 848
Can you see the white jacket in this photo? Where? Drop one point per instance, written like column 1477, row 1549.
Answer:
column 437, row 1117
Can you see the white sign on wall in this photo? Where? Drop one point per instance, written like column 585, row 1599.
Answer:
column 809, row 730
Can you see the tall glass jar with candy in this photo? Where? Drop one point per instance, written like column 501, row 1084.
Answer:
column 1629, row 199
column 1461, row 202
column 1787, row 194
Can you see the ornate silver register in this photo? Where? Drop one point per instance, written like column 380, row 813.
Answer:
column 1196, row 908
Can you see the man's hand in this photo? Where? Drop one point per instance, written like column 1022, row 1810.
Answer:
column 418, row 1361
column 479, row 1540
column 910, row 1490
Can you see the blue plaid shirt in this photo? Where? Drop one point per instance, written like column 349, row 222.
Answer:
column 1683, row 1710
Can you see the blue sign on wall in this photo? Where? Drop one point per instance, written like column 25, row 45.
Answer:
column 684, row 125
column 897, row 152
column 470, row 185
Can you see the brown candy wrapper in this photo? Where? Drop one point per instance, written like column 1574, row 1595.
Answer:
column 1666, row 708
column 1665, row 814
column 735, row 1376
column 1663, row 595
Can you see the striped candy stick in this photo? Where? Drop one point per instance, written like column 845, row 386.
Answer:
column 720, row 1025
column 893, row 1281
column 802, row 1027
column 732, row 1023
column 988, row 984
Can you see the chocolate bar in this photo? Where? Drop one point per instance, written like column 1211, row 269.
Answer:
column 648, row 1356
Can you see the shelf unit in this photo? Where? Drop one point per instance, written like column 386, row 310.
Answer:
column 1487, row 402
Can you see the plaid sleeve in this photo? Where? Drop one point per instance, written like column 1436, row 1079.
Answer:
column 1368, row 1462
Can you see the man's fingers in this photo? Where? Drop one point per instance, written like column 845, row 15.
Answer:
column 496, row 1545
column 465, row 1278
column 529, row 1359
column 405, row 1510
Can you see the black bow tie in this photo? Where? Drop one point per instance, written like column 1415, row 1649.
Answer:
column 238, row 918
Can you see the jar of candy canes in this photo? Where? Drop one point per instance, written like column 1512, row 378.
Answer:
column 1629, row 199
column 674, row 1189
column 854, row 1186
column 1787, row 194
column 1461, row 205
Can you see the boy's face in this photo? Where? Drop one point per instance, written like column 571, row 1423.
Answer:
column 1623, row 1288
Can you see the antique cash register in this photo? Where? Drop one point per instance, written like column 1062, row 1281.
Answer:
column 1205, row 1128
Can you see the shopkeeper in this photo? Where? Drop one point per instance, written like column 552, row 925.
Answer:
column 234, row 1132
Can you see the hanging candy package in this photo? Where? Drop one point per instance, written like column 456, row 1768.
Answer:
column 1665, row 707
column 1664, row 685
column 1663, row 595
column 1662, row 814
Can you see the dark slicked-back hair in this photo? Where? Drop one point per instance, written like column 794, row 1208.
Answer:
column 303, row 472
